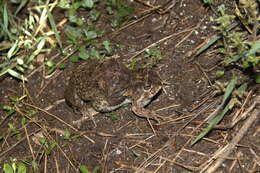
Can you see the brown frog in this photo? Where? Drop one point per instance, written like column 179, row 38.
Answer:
column 106, row 85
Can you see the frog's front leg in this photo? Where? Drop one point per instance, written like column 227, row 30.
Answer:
column 103, row 105
column 87, row 113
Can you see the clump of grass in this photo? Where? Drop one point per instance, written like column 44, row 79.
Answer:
column 236, row 47
column 38, row 33
column 240, row 48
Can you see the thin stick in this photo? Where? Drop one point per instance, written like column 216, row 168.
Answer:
column 57, row 118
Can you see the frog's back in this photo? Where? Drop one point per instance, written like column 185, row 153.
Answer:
column 96, row 77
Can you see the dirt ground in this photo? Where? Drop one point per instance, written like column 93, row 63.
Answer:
column 130, row 143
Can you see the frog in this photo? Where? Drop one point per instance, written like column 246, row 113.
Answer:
column 102, row 86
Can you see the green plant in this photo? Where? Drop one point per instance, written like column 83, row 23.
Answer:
column 153, row 53
column 238, row 50
column 23, row 38
column 208, row 1
column 14, row 167
column 113, row 116
column 84, row 169
column 231, row 98
column 49, row 145
column 11, row 110
column 235, row 46
column 68, row 136
column 120, row 11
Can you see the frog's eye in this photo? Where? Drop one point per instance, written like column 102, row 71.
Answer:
column 147, row 87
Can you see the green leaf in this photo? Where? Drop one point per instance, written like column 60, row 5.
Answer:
column 61, row 66
column 107, row 45
column 22, row 4
column 243, row 87
column 212, row 123
column 219, row 73
column 14, row 166
column 34, row 165
column 21, row 168
column 90, row 35
column 51, row 70
column 74, row 59
column 94, row 53
column 13, row 50
column 209, row 43
column 54, row 28
column 88, row 3
column 73, row 33
column 76, row 19
column 66, row 134
column 24, row 121
column 83, row 169
column 83, row 53
column 16, row 75
column 5, row 16
column 208, row 1
column 4, row 25
column 96, row 169
column 229, row 90
column 50, row 63
column 232, row 59
column 94, row 14
column 255, row 47
column 8, row 168
column 64, row 4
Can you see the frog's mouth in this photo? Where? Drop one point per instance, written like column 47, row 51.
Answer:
column 148, row 96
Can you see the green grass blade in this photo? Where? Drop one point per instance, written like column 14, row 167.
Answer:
column 212, row 123
column 8, row 168
column 53, row 26
column 232, row 59
column 243, row 87
column 229, row 90
column 22, row 4
column 209, row 43
column 5, row 24
column 83, row 169
column 21, row 168
column 4, row 71
column 214, row 39
column 5, row 16
column 254, row 49
column 16, row 75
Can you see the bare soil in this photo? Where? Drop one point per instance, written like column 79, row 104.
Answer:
column 130, row 143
